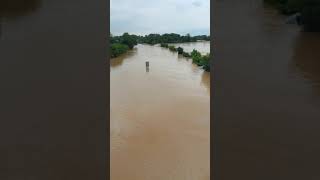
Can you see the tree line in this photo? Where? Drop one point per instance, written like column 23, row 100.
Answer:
column 121, row 44
column 170, row 38
column 309, row 11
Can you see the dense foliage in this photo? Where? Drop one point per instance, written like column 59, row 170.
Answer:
column 118, row 49
column 309, row 9
column 121, row 44
column 170, row 38
column 127, row 39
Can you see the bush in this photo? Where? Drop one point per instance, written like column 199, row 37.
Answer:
column 196, row 56
column 195, row 53
column 172, row 48
column 118, row 49
column 180, row 50
column 200, row 60
column 205, row 62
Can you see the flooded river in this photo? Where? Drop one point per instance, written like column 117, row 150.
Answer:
column 159, row 117
column 267, row 95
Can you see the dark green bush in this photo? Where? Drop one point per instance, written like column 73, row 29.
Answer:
column 118, row 49
column 180, row 50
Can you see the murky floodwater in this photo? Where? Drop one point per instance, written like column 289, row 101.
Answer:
column 267, row 95
column 159, row 117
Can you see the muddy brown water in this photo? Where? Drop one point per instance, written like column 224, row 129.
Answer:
column 160, row 118
column 267, row 95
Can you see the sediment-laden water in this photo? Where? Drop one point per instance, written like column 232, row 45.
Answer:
column 160, row 117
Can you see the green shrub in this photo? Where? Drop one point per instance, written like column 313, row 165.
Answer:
column 118, row 49
column 195, row 53
column 203, row 61
column 180, row 50
column 196, row 57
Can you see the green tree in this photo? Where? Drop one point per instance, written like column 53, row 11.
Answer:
column 118, row 49
column 129, row 40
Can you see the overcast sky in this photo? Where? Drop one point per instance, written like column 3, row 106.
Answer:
column 160, row 16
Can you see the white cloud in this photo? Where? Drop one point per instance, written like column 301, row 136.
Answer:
column 164, row 16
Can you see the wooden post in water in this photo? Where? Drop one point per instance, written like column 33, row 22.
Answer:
column 147, row 66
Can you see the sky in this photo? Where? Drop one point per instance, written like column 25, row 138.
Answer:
column 143, row 17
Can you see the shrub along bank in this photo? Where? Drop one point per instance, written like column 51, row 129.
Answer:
column 198, row 59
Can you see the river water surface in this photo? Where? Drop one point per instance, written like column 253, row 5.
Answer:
column 160, row 117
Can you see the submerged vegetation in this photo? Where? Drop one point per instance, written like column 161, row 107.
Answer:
column 172, row 48
column 121, row 44
column 198, row 59
column 309, row 11
column 117, row 49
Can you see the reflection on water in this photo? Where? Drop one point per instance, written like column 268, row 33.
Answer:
column 205, row 80
column 159, row 118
